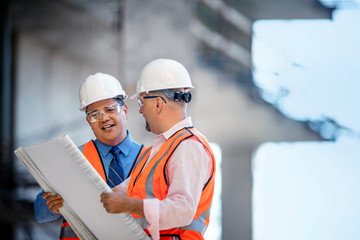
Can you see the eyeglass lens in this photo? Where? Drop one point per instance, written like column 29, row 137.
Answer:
column 108, row 110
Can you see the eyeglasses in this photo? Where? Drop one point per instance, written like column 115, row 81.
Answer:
column 110, row 111
column 147, row 97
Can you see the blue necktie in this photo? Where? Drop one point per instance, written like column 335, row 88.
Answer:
column 116, row 171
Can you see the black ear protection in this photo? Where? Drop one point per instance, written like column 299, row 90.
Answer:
column 182, row 96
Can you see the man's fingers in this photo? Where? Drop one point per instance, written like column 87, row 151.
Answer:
column 57, row 196
column 49, row 197
column 103, row 197
column 54, row 205
column 55, row 208
column 51, row 203
column 46, row 195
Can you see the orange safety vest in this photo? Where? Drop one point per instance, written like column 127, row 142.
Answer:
column 93, row 156
column 150, row 182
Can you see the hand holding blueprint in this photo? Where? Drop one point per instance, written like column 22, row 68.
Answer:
column 59, row 167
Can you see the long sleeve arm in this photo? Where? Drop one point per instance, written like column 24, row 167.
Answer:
column 42, row 212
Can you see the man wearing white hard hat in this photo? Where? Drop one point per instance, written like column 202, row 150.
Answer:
column 112, row 153
column 171, row 188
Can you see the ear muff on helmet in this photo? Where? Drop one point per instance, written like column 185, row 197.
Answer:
column 182, row 96
column 176, row 95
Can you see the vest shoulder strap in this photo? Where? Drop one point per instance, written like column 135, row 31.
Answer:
column 143, row 151
column 92, row 155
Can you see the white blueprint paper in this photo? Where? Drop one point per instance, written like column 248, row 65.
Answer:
column 60, row 167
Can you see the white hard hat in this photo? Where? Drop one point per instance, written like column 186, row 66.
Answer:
column 98, row 87
column 163, row 74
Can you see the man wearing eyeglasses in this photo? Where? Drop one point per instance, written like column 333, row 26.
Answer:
column 112, row 153
column 171, row 187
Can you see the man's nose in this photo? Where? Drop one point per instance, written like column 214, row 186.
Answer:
column 104, row 116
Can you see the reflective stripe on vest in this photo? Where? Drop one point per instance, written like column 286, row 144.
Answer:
column 197, row 225
column 66, row 232
column 141, row 157
column 150, row 182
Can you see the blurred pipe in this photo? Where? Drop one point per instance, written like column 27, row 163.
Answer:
column 218, row 42
column 237, row 19
column 7, row 183
column 7, row 100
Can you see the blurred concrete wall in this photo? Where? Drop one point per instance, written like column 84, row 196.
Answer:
column 53, row 58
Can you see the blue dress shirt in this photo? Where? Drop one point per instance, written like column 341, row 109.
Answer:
column 129, row 151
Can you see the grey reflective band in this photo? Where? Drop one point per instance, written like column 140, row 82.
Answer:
column 81, row 148
column 67, row 232
column 141, row 157
column 149, row 181
column 197, row 225
column 206, row 214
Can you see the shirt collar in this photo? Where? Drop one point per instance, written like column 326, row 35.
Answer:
column 124, row 146
column 180, row 125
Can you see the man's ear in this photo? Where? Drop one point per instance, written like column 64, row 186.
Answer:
column 125, row 109
column 159, row 105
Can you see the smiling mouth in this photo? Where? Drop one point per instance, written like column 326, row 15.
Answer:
column 106, row 127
